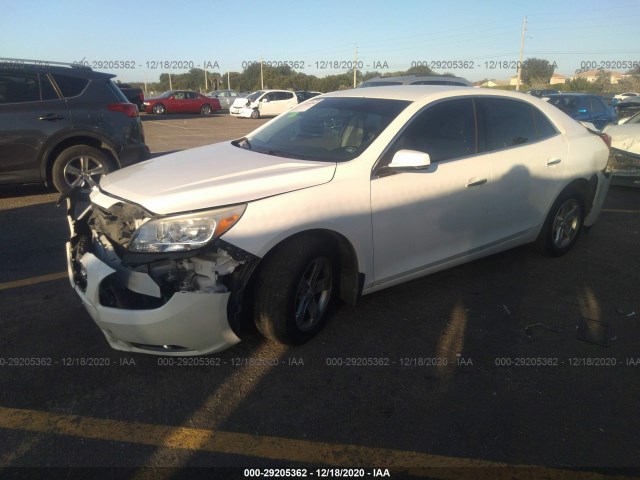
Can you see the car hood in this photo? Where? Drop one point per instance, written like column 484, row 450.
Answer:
column 625, row 137
column 211, row 176
column 240, row 102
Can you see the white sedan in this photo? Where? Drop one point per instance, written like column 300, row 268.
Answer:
column 344, row 195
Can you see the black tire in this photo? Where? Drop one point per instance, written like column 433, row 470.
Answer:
column 562, row 226
column 295, row 291
column 80, row 165
column 205, row 109
column 255, row 113
column 159, row 109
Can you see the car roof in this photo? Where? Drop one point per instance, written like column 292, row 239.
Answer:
column 32, row 66
column 418, row 92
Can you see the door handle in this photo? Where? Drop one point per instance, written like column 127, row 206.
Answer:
column 51, row 117
column 474, row 182
column 553, row 161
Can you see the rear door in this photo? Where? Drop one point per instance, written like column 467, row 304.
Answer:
column 31, row 112
column 528, row 158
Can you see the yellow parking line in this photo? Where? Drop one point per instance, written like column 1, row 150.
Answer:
column 33, row 280
column 278, row 448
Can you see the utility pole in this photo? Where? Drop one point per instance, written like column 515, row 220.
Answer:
column 228, row 81
column 206, row 85
column 355, row 65
column 524, row 29
column 261, row 77
column 170, row 87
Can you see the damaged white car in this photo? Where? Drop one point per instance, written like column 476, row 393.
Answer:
column 346, row 194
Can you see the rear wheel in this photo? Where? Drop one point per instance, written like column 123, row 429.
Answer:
column 205, row 109
column 295, row 292
column 80, row 165
column 562, row 226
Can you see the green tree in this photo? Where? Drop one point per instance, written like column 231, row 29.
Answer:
column 536, row 70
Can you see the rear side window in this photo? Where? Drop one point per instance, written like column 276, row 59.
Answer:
column 544, row 127
column 70, row 86
column 597, row 105
column 509, row 123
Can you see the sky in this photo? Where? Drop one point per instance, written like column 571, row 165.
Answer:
column 472, row 39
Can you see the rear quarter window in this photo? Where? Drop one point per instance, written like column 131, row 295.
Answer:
column 70, row 86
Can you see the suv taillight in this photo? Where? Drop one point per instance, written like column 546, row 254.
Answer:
column 129, row 109
column 141, row 96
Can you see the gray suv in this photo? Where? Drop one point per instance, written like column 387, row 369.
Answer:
column 64, row 125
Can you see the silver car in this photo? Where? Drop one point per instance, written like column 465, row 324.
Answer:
column 226, row 97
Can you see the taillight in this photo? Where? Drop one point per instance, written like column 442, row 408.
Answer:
column 129, row 109
column 606, row 139
column 141, row 96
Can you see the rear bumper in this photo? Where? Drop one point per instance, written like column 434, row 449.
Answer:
column 133, row 154
column 602, row 188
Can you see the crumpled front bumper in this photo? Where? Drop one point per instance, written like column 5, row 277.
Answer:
column 244, row 112
column 189, row 323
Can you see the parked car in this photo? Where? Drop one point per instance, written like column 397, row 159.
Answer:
column 584, row 107
column 264, row 103
column 64, row 125
column 625, row 151
column 623, row 96
column 225, row 97
column 542, row 92
column 304, row 95
column 627, row 108
column 415, row 80
column 181, row 101
column 349, row 193
column 134, row 95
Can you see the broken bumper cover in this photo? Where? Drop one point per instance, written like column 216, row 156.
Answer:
column 188, row 323
column 244, row 112
column 602, row 188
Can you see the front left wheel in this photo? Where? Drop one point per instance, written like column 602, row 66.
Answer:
column 295, row 291
column 205, row 109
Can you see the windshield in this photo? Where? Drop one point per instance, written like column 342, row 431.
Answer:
column 326, row 129
column 255, row 95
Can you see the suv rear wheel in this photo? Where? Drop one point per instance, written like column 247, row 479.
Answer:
column 80, row 165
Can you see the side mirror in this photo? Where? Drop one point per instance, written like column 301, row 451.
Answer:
column 410, row 159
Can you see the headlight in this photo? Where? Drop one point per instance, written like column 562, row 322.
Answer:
column 184, row 232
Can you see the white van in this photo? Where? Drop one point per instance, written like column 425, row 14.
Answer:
column 264, row 103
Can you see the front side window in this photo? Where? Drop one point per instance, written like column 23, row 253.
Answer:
column 509, row 123
column 19, row 88
column 445, row 131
